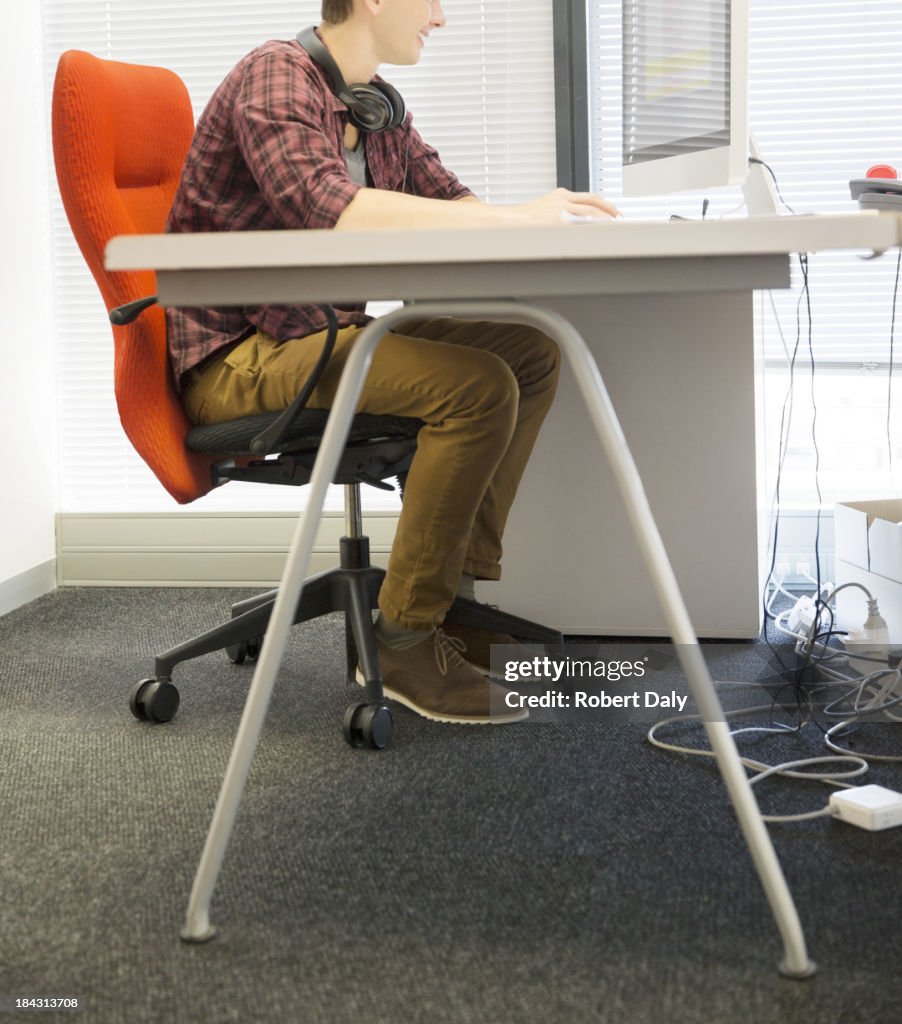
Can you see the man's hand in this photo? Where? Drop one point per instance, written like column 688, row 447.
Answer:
column 564, row 205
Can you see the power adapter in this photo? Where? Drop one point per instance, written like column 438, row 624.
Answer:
column 870, row 807
column 802, row 615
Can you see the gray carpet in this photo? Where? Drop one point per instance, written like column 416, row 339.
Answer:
column 539, row 873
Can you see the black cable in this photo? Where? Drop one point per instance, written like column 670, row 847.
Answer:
column 803, row 261
column 783, row 447
column 268, row 440
column 810, row 662
column 785, row 427
column 804, row 690
column 801, row 685
column 770, row 171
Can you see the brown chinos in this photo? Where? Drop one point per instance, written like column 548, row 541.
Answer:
column 482, row 390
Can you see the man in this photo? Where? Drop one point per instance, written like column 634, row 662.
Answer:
column 278, row 148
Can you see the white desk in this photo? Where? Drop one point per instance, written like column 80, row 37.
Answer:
column 666, row 309
column 711, row 260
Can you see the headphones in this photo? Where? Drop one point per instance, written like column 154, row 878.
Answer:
column 374, row 107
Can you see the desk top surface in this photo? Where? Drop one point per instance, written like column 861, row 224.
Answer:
column 609, row 240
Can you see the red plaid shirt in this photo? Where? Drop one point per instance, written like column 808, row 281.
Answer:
column 268, row 154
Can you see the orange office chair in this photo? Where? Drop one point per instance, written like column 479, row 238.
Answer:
column 120, row 136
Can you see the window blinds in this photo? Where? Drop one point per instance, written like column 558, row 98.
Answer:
column 483, row 94
column 676, row 78
column 825, row 81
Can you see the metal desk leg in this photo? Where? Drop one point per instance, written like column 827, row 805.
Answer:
column 197, row 928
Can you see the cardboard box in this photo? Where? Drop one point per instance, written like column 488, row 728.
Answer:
column 869, row 552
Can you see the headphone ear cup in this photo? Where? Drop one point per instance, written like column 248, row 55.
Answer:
column 377, row 107
column 370, row 110
column 395, row 101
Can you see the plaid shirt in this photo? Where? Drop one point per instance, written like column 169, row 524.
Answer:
column 268, row 154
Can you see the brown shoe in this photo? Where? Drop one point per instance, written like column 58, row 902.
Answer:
column 478, row 643
column 435, row 681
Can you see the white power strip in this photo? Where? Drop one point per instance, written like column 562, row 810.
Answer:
column 870, row 807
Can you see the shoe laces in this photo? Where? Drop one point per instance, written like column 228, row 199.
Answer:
column 448, row 651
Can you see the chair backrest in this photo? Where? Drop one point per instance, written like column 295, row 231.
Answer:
column 120, row 136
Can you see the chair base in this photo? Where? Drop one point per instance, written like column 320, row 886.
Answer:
column 352, row 588
column 485, row 616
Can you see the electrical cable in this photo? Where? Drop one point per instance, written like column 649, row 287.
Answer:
column 868, row 698
column 806, row 293
column 811, row 579
column 858, row 766
column 828, row 740
column 877, row 705
column 785, row 428
column 779, row 590
column 770, row 171
column 804, row 296
column 783, row 448
column 889, row 378
column 879, row 693
column 809, row 641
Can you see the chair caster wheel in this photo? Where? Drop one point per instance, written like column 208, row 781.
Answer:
column 247, row 650
column 368, row 725
column 154, row 700
column 237, row 653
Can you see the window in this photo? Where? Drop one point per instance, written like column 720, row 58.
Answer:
column 483, row 94
column 824, row 85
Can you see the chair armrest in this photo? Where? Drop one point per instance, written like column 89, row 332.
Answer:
column 125, row 314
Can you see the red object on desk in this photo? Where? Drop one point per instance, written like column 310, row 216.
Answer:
column 882, row 171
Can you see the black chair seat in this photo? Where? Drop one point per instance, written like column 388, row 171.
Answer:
column 233, row 437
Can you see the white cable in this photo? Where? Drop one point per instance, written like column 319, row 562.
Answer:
column 825, row 811
column 786, row 769
column 730, row 212
column 819, row 651
column 828, row 740
column 777, row 584
column 878, row 704
column 759, row 766
column 824, row 586
column 843, row 586
column 869, row 696
column 773, row 307
column 830, row 777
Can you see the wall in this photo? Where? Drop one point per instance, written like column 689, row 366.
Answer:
column 28, row 407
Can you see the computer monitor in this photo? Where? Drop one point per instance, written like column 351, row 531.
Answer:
column 685, row 95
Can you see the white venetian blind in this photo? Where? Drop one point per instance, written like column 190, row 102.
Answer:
column 676, row 77
column 824, row 105
column 483, row 94
column 825, row 82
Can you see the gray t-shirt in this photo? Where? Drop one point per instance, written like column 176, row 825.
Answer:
column 355, row 159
